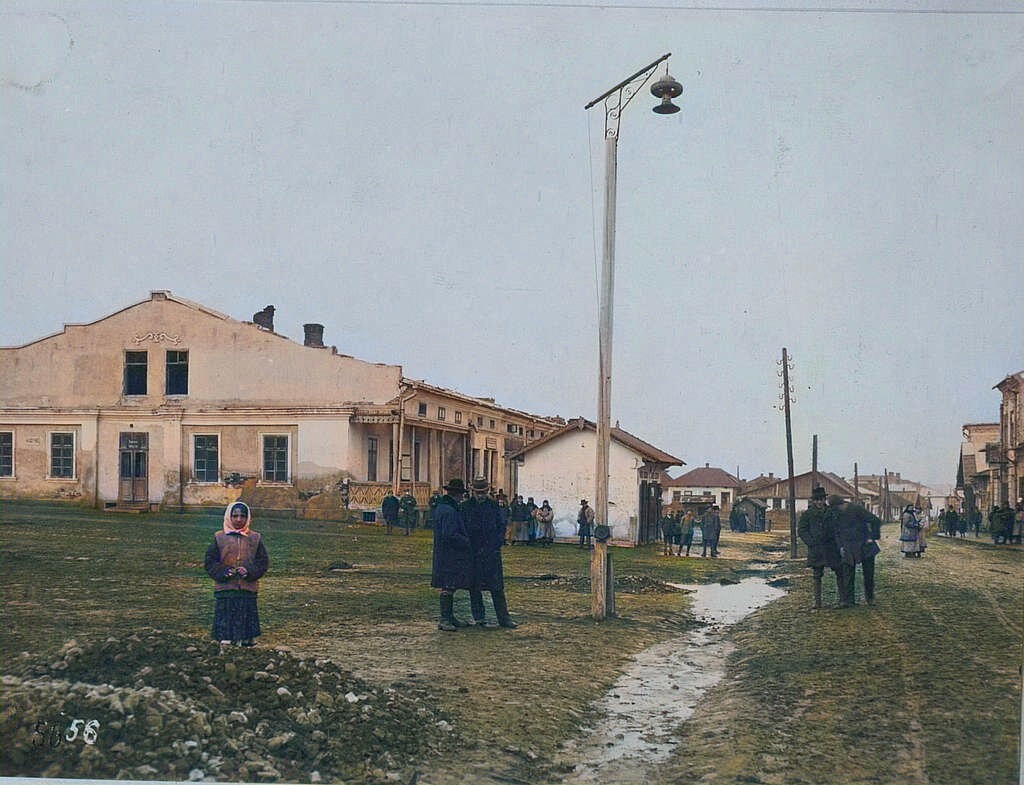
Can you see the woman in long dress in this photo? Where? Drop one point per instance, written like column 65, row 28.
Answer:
column 910, row 533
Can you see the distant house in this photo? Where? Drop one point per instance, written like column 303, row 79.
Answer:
column 561, row 468
column 754, row 510
column 705, row 482
column 775, row 492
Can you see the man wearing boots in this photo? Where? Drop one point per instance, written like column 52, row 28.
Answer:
column 815, row 529
column 486, row 527
column 857, row 532
column 453, row 566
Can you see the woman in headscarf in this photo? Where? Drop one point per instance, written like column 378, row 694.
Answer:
column 910, row 533
column 236, row 561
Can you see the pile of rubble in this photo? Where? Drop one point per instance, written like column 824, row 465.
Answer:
column 155, row 705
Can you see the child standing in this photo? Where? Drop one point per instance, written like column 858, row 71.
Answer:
column 236, row 561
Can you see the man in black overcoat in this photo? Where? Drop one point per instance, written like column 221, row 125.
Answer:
column 486, row 526
column 389, row 509
column 453, row 566
column 815, row 529
column 857, row 532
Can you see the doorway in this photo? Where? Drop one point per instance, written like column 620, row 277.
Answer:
column 134, row 472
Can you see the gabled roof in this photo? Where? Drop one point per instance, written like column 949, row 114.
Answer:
column 626, row 439
column 154, row 295
column 705, row 477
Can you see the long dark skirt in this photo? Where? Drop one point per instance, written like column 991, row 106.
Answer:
column 235, row 616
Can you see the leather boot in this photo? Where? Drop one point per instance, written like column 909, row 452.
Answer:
column 817, row 592
column 446, row 622
column 501, row 610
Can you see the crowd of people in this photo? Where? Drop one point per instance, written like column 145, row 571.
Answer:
column 1005, row 523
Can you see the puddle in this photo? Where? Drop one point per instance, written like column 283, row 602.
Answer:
column 661, row 688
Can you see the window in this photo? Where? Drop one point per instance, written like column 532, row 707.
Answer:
column 136, row 365
column 441, row 412
column 458, row 417
column 6, row 454
column 492, row 425
column 177, row 373
column 207, row 458
column 479, row 422
column 62, row 455
column 422, row 410
column 513, row 428
column 275, row 458
column 371, row 459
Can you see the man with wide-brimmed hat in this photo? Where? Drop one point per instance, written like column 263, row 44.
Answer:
column 453, row 566
column 486, row 527
column 815, row 529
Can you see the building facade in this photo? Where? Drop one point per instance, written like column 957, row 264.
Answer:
column 561, row 467
column 168, row 403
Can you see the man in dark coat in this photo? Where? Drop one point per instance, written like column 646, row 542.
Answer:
column 408, row 511
column 856, row 533
column 486, row 527
column 389, row 509
column 711, row 525
column 453, row 566
column 815, row 529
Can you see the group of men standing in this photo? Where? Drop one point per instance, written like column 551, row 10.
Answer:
column 677, row 530
column 840, row 535
column 468, row 537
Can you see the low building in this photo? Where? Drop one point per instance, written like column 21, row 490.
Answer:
column 169, row 403
column 561, row 468
column 703, row 482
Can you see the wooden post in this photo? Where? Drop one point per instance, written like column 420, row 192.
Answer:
column 789, row 456
column 814, row 463
column 856, row 484
column 599, row 563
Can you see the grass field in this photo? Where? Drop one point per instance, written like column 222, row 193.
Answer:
column 922, row 688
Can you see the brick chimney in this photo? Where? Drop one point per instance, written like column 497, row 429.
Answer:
column 314, row 335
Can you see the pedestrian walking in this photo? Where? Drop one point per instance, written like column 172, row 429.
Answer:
column 487, row 535
column 236, row 560
column 857, row 532
column 453, row 567
column 815, row 529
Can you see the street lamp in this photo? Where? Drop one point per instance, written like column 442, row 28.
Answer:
column 615, row 101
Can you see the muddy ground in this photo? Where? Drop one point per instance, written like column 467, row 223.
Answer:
column 866, row 695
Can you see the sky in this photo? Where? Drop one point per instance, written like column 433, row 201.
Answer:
column 843, row 180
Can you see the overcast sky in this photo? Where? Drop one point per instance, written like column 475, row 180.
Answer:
column 422, row 178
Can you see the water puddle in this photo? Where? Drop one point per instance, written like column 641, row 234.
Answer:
column 660, row 690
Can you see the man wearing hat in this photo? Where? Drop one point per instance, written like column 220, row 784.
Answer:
column 453, row 566
column 815, row 529
column 856, row 534
column 486, row 527
column 711, row 523
column 585, row 520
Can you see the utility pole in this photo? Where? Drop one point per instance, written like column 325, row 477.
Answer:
column 789, row 453
column 856, row 484
column 814, row 463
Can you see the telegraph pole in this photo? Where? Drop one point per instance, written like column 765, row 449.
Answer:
column 789, row 453
column 814, row 463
